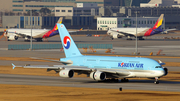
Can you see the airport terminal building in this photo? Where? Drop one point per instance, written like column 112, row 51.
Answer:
column 26, row 5
column 83, row 13
column 87, row 9
column 48, row 22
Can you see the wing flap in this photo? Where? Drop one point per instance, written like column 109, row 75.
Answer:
column 117, row 72
column 125, row 34
column 76, row 68
column 23, row 35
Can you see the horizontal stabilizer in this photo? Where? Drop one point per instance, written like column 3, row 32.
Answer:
column 64, row 62
column 161, row 63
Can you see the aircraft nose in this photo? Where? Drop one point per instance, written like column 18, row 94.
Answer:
column 108, row 33
column 160, row 73
column 5, row 32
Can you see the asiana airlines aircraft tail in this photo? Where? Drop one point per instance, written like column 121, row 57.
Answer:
column 102, row 68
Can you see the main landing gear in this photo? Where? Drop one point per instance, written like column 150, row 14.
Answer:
column 124, row 80
column 156, row 80
column 111, row 80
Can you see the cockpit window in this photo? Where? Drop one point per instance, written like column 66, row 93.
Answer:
column 158, row 67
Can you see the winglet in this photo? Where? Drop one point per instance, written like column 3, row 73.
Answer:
column 13, row 65
column 161, row 63
column 60, row 20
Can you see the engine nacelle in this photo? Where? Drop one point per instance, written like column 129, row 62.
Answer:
column 12, row 37
column 66, row 73
column 166, row 70
column 116, row 36
column 98, row 75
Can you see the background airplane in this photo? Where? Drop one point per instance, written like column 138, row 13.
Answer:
column 37, row 34
column 102, row 67
column 141, row 32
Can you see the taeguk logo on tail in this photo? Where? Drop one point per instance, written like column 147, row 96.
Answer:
column 67, row 42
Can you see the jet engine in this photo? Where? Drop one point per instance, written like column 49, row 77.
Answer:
column 66, row 73
column 98, row 75
column 117, row 36
column 12, row 37
column 166, row 70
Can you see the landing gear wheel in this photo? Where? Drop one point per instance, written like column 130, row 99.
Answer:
column 27, row 40
column 116, row 80
column 39, row 40
column 111, row 80
column 129, row 39
column 141, row 38
column 124, row 80
column 156, row 82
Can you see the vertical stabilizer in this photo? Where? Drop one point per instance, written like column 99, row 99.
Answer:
column 68, row 44
column 157, row 27
column 54, row 31
column 58, row 22
column 159, row 22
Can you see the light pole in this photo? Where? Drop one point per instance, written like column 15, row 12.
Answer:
column 136, row 49
column 31, row 30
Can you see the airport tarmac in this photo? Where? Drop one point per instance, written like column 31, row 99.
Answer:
column 88, row 83
column 170, row 47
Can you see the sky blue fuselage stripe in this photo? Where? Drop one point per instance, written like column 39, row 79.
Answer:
column 128, row 63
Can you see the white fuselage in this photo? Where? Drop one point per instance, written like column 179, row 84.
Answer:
column 27, row 32
column 131, row 31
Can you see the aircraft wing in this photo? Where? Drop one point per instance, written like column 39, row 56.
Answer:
column 23, row 35
column 167, row 30
column 78, row 69
column 124, row 33
column 29, row 36
column 86, row 69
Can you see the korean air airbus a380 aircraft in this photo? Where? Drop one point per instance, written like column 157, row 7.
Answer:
column 141, row 32
column 102, row 67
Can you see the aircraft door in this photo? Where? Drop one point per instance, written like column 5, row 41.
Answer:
column 84, row 61
column 149, row 67
column 108, row 66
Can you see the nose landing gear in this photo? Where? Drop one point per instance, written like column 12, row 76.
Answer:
column 156, row 80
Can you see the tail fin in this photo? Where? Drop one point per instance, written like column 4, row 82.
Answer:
column 81, row 29
column 159, row 22
column 68, row 44
column 13, row 65
column 58, row 22
column 54, row 31
column 157, row 27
